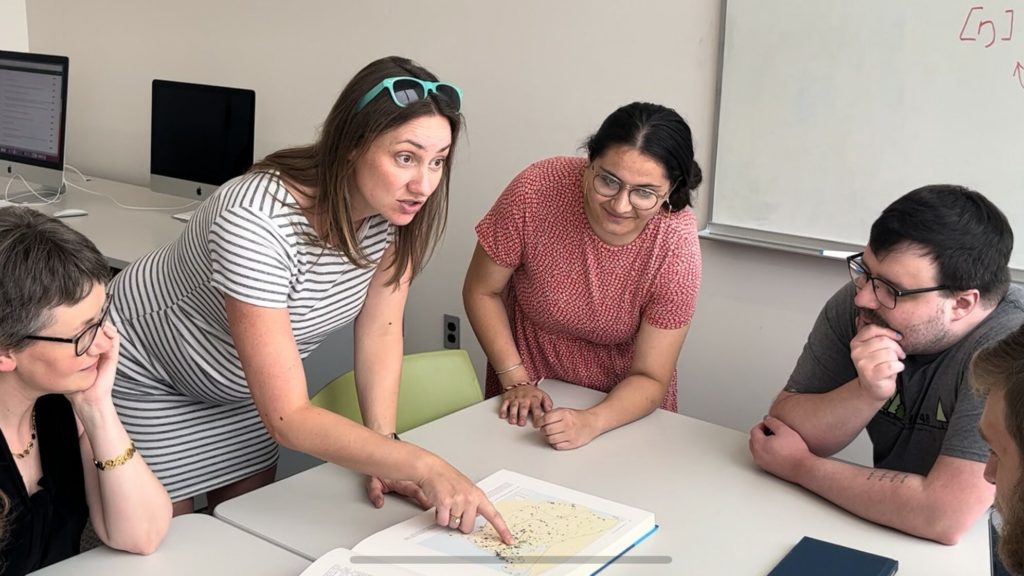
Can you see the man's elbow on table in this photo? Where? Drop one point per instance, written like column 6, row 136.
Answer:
column 952, row 513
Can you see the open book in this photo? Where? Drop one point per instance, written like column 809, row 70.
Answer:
column 559, row 531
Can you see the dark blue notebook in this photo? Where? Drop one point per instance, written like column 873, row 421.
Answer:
column 813, row 557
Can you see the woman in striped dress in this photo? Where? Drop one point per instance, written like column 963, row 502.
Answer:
column 215, row 324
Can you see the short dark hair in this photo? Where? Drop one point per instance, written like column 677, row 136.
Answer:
column 658, row 132
column 328, row 164
column 965, row 234
column 45, row 265
column 1001, row 367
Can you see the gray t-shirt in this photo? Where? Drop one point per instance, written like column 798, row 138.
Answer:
column 934, row 411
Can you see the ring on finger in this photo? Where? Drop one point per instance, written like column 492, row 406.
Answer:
column 455, row 521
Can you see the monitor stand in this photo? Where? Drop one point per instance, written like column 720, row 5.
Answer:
column 47, row 184
column 179, row 187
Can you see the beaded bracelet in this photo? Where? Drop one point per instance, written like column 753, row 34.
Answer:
column 509, row 369
column 518, row 384
column 117, row 460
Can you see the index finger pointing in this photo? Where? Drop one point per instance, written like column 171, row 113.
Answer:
column 491, row 514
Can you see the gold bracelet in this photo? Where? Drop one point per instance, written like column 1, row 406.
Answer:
column 509, row 369
column 518, row 384
column 117, row 460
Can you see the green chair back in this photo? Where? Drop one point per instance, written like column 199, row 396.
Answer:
column 434, row 384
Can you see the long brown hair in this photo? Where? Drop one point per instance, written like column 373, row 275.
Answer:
column 327, row 166
column 1001, row 367
column 5, row 506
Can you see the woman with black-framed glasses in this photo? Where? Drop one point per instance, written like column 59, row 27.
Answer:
column 67, row 458
column 84, row 339
column 311, row 239
column 587, row 270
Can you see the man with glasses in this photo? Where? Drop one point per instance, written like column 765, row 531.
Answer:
column 889, row 353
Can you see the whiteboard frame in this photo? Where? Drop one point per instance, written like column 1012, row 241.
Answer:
column 762, row 238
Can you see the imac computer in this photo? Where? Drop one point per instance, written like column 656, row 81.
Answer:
column 33, row 110
column 201, row 137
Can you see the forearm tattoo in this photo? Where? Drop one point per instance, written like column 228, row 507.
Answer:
column 888, row 476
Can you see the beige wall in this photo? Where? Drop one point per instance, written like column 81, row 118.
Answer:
column 538, row 76
column 13, row 26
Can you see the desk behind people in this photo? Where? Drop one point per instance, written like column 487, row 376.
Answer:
column 197, row 545
column 122, row 234
column 718, row 514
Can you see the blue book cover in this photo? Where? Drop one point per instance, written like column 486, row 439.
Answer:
column 813, row 557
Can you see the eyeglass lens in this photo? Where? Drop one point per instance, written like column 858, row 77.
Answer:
column 883, row 293
column 85, row 339
column 407, row 91
column 451, row 94
column 640, row 198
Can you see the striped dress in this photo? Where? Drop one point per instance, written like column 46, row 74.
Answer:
column 180, row 390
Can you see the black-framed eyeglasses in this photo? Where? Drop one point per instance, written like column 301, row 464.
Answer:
column 84, row 339
column 609, row 186
column 885, row 293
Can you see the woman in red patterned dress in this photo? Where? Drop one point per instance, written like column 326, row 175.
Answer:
column 587, row 271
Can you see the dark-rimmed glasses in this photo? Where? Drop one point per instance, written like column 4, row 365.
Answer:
column 609, row 186
column 405, row 90
column 885, row 293
column 84, row 339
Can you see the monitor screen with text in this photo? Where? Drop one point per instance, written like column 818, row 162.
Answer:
column 33, row 104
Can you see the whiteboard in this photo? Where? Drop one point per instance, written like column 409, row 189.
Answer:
column 830, row 110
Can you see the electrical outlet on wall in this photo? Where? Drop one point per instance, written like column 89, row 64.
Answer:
column 451, row 331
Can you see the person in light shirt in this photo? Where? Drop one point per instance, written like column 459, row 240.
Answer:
column 311, row 239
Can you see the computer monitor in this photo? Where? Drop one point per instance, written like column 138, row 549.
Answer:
column 33, row 110
column 202, row 136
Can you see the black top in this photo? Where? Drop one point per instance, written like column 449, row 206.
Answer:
column 46, row 527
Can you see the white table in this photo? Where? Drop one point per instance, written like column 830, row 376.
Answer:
column 719, row 513
column 196, row 545
column 122, row 235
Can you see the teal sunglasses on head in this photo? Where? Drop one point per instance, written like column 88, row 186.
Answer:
column 405, row 90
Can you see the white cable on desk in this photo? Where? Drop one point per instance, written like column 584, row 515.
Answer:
column 44, row 201
column 87, row 178
column 76, row 171
column 111, row 198
column 56, row 198
column 66, row 183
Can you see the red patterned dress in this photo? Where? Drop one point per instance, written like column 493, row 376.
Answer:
column 574, row 302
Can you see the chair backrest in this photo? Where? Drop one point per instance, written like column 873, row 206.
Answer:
column 434, row 384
